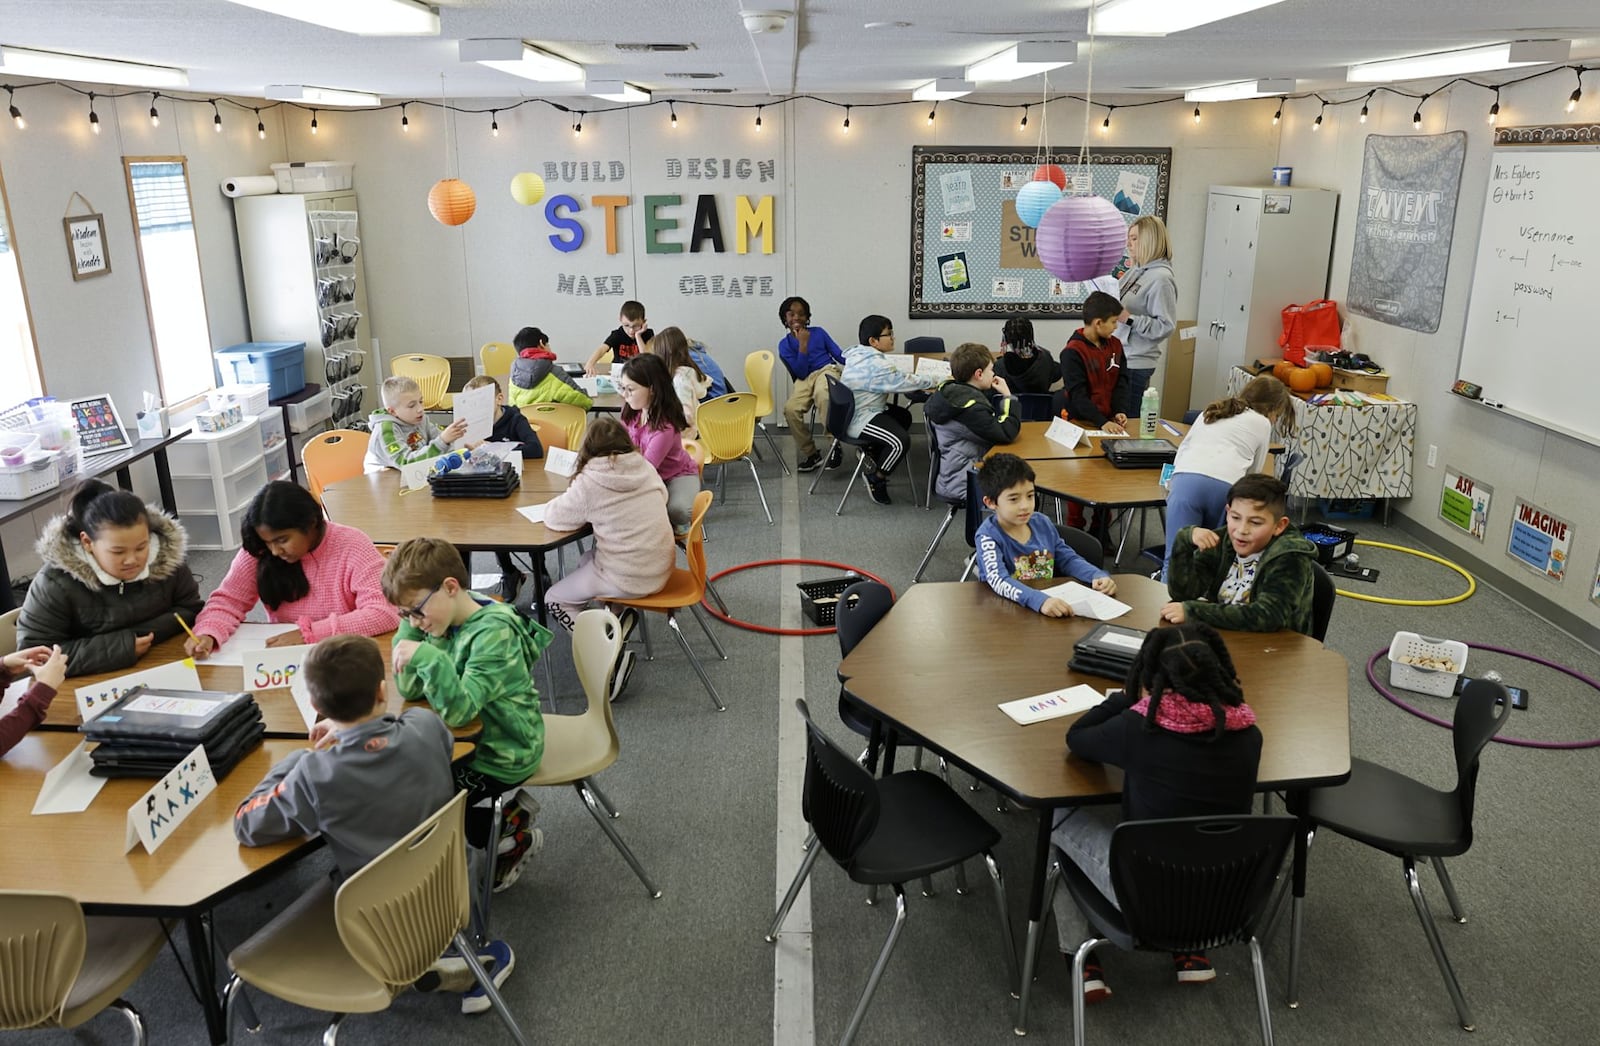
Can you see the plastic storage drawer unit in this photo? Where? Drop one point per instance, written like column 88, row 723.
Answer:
column 281, row 364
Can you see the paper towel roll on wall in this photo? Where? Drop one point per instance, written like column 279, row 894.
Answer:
column 249, row 185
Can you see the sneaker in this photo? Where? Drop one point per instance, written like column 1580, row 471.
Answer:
column 511, row 584
column 513, row 856
column 449, row 973
column 1095, row 988
column 1193, row 968
column 503, row 962
column 836, row 456
column 628, row 620
column 878, row 487
column 812, row 463
column 513, row 819
column 622, row 673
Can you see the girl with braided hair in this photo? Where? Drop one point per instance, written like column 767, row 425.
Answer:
column 1188, row 746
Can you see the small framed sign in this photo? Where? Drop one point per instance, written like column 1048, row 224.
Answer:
column 100, row 429
column 86, row 245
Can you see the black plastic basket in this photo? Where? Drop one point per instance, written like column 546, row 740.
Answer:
column 1333, row 543
column 820, row 599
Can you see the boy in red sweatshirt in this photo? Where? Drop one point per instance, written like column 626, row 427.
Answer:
column 1094, row 372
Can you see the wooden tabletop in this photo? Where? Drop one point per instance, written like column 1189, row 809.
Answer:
column 1031, row 444
column 1096, row 482
column 278, row 711
column 606, row 402
column 948, row 653
column 373, row 504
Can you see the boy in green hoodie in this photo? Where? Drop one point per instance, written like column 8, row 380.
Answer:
column 472, row 658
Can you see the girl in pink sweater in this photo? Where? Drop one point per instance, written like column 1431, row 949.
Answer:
column 654, row 419
column 305, row 570
column 619, row 494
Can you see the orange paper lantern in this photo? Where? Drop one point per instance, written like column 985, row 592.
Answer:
column 1049, row 172
column 451, row 201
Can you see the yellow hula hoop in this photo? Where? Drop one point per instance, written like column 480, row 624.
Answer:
column 1472, row 584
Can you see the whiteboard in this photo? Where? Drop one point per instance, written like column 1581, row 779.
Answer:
column 1530, row 338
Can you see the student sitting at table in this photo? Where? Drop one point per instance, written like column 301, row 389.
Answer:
column 720, row 385
column 535, row 376
column 619, row 494
column 1187, row 745
column 401, row 431
column 368, row 778
column 871, row 378
column 113, row 584
column 653, row 417
column 511, row 427
column 688, row 380
column 472, row 658
column 623, row 344
column 307, row 571
column 1026, row 364
column 964, row 419
column 1018, row 544
column 809, row 353
column 49, row 668
column 1259, row 580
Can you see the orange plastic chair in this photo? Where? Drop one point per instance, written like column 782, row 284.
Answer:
column 685, row 588
column 728, row 430
column 332, row 456
column 758, row 367
column 569, row 416
column 432, row 373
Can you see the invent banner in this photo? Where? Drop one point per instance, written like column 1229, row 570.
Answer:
column 1405, row 217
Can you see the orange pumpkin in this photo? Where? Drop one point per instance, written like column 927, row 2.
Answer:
column 1324, row 374
column 1281, row 369
column 1302, row 379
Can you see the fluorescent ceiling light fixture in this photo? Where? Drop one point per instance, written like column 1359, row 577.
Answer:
column 1160, row 17
column 940, row 89
column 320, row 95
column 1025, row 59
column 363, row 17
column 615, row 91
column 1243, row 89
column 519, row 59
column 53, row 65
column 1466, row 60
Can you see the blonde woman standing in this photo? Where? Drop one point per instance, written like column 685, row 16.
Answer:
column 1149, row 301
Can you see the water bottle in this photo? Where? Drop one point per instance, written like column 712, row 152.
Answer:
column 1149, row 412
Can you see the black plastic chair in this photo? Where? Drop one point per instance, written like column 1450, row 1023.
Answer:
column 955, row 508
column 860, row 607
column 887, row 831
column 1401, row 816
column 1323, row 595
column 1183, row 884
column 1084, row 544
column 841, row 412
column 924, row 344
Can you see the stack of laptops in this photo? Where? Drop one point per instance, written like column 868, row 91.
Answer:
column 149, row 731
column 1107, row 651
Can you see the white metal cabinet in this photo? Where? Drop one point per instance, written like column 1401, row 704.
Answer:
column 1265, row 248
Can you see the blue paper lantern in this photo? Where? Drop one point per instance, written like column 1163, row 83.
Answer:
column 1081, row 237
column 1034, row 199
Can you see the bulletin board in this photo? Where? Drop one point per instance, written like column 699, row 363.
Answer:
column 971, row 257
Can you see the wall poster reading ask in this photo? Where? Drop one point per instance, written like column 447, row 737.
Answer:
column 972, row 257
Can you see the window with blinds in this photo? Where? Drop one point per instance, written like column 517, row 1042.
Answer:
column 169, row 264
column 161, row 197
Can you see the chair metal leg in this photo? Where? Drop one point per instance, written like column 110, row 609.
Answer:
column 600, row 797
column 933, row 546
column 872, row 896
column 1296, row 922
column 1449, row 890
column 813, row 848
column 1007, row 941
column 972, row 561
column 330, row 1034
column 1414, row 886
column 776, row 451
column 487, row 984
column 861, row 463
column 1030, row 950
column 486, row 887
column 699, row 670
column 233, row 996
column 593, row 806
column 1261, row 992
column 135, row 1022
column 962, row 889
column 817, row 478
column 695, row 610
column 762, row 494
column 716, row 597
column 877, row 968
column 927, row 886
column 644, row 633
column 1079, row 957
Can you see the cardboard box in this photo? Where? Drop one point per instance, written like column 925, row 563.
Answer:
column 1360, row 381
column 1179, row 376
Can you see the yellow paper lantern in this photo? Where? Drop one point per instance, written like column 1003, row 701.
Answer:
column 527, row 188
column 451, row 201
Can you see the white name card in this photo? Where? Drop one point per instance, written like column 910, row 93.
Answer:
column 94, row 698
column 561, row 461
column 1063, row 432
column 69, row 787
column 1053, row 705
column 415, row 475
column 162, row 809
column 274, row 668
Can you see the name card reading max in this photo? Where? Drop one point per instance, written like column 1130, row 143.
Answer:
column 157, row 813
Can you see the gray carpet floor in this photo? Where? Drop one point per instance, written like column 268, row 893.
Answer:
column 599, row 962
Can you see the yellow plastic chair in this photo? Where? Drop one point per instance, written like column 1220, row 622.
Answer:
column 430, row 372
column 497, row 357
column 332, row 456
column 728, row 431
column 550, row 433
column 8, row 631
column 354, row 950
column 685, row 588
column 569, row 416
column 698, row 453
column 758, row 367
column 62, row 968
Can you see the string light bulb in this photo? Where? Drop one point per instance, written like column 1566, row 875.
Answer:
column 1197, row 114
column 1316, row 125
column 261, row 128
column 313, row 121
column 1494, row 110
column 1416, row 117
column 1364, row 103
column 16, row 114
column 216, row 118
column 674, row 111
column 94, row 117
column 931, row 113
column 1024, row 122
column 494, row 123
column 758, row 116
column 577, row 126
column 405, row 121
column 155, row 116
column 847, row 119
column 1277, row 116
column 1105, row 125
column 1577, row 92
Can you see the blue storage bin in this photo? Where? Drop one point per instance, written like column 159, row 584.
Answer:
column 280, row 364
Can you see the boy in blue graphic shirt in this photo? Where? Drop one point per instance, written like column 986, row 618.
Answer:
column 1019, row 544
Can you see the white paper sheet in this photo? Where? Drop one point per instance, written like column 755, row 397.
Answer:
column 533, row 513
column 939, row 370
column 1053, row 705
column 903, row 364
column 1086, row 602
column 69, row 788
column 476, row 407
column 251, row 636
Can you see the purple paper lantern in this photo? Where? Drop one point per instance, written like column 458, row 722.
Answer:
column 1033, row 199
column 1081, row 237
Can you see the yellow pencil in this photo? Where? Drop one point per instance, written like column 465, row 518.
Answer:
column 186, row 627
